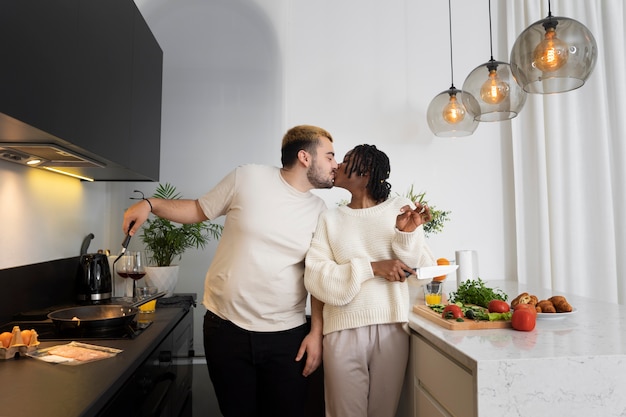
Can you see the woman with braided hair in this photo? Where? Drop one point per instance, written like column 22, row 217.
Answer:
column 357, row 265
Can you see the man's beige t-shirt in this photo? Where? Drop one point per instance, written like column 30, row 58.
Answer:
column 256, row 277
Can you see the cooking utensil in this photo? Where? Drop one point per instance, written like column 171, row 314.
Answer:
column 433, row 271
column 138, row 301
column 104, row 316
column 125, row 242
column 93, row 316
column 426, row 312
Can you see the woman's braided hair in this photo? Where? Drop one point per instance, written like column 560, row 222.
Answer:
column 367, row 159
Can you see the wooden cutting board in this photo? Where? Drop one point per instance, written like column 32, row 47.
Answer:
column 452, row 324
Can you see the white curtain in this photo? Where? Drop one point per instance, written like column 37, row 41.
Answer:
column 569, row 157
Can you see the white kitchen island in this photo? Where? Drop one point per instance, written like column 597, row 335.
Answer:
column 575, row 366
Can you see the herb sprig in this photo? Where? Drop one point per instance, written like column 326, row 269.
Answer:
column 439, row 217
column 475, row 292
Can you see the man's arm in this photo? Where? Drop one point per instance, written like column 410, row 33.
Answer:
column 180, row 211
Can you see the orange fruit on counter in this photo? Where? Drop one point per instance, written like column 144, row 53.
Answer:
column 441, row 261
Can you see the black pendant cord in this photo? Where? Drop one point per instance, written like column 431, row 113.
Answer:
column 549, row 9
column 490, row 34
column 450, row 27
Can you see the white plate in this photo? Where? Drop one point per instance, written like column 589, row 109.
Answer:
column 555, row 316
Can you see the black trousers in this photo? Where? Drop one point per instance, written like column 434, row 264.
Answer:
column 255, row 374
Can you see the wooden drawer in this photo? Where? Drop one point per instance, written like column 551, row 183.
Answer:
column 425, row 406
column 439, row 377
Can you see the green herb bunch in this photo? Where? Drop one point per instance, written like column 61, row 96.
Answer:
column 475, row 292
column 439, row 216
column 166, row 241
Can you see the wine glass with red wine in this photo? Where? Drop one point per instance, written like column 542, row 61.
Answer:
column 134, row 266
column 121, row 269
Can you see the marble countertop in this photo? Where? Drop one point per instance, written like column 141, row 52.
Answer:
column 575, row 364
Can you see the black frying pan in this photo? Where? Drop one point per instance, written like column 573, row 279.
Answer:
column 103, row 316
column 93, row 317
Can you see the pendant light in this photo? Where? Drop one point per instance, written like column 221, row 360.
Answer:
column 447, row 115
column 498, row 95
column 553, row 55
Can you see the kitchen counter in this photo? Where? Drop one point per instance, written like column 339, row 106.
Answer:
column 574, row 365
column 31, row 387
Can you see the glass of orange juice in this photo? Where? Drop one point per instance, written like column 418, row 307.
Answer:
column 432, row 293
column 145, row 292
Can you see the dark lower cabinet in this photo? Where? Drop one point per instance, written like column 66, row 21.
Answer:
column 162, row 385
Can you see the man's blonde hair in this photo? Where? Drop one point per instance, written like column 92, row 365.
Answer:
column 302, row 137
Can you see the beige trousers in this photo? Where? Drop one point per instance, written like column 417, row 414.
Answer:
column 364, row 370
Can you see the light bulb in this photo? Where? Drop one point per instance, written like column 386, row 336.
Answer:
column 453, row 112
column 494, row 90
column 551, row 53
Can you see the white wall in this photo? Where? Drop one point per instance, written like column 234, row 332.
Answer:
column 45, row 216
column 238, row 73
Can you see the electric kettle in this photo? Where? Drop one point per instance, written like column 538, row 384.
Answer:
column 93, row 279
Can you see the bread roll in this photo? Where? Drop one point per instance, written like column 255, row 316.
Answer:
column 560, row 304
column 524, row 298
column 545, row 306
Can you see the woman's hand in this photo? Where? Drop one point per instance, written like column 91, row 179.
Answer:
column 391, row 269
column 408, row 220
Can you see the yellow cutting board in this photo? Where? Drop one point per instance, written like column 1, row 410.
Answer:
column 452, row 324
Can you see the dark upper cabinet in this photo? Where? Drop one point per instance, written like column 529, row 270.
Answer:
column 86, row 76
column 147, row 84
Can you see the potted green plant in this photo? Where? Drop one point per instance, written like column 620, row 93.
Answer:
column 166, row 242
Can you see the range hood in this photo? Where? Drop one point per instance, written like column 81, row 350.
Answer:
column 44, row 155
column 82, row 95
column 27, row 145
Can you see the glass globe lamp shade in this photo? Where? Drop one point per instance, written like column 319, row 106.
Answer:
column 553, row 55
column 491, row 93
column 448, row 117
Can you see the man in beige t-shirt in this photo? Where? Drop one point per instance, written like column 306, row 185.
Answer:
column 255, row 330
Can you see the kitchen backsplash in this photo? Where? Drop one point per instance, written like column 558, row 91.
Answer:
column 35, row 286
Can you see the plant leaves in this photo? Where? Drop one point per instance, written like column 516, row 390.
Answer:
column 167, row 241
column 440, row 217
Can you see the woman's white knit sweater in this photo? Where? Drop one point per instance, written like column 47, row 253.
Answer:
column 338, row 270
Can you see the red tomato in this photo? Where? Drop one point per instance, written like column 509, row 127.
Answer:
column 452, row 311
column 498, row 306
column 528, row 307
column 523, row 319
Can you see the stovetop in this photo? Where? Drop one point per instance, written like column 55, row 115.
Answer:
column 47, row 330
